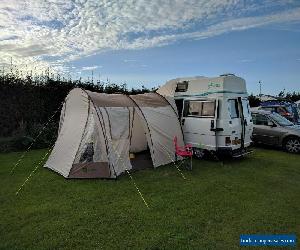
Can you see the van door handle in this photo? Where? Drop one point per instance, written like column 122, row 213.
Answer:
column 218, row 129
column 212, row 124
column 182, row 122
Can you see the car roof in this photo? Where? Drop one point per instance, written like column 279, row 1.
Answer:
column 262, row 112
column 272, row 106
column 276, row 103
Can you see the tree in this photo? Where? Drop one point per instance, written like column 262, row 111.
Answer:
column 253, row 100
column 26, row 104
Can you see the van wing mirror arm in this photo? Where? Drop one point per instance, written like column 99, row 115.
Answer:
column 271, row 123
column 216, row 129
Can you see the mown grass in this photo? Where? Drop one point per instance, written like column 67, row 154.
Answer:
column 209, row 210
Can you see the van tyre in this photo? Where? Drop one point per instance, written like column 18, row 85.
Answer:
column 292, row 145
column 198, row 153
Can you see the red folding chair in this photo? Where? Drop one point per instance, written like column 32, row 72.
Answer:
column 186, row 152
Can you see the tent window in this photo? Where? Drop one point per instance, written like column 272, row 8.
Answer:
column 119, row 122
column 88, row 153
column 91, row 147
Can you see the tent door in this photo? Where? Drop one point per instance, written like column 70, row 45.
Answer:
column 139, row 152
column 141, row 160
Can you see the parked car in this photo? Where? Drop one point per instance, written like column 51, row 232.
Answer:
column 272, row 129
column 298, row 109
column 285, row 109
column 298, row 104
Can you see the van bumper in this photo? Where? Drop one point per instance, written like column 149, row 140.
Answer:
column 236, row 153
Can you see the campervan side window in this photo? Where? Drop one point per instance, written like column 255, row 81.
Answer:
column 199, row 108
column 233, row 108
column 246, row 108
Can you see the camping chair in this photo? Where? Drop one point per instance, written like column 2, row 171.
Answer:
column 185, row 152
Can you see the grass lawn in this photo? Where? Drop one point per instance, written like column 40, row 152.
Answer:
column 209, row 210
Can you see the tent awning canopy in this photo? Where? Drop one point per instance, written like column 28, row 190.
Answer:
column 98, row 131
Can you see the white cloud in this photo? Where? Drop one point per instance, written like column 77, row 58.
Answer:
column 129, row 60
column 43, row 33
column 245, row 60
column 90, row 67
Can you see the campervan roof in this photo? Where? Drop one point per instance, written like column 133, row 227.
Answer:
column 203, row 86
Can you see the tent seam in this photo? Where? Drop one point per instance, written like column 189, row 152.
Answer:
column 106, row 137
column 174, row 112
column 103, row 128
column 147, row 125
column 86, row 122
column 131, row 128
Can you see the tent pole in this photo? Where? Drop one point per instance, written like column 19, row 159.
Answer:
column 146, row 124
column 102, row 127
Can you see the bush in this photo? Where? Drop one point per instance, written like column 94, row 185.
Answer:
column 35, row 134
column 21, row 143
column 45, row 136
column 16, row 143
column 27, row 103
column 6, row 144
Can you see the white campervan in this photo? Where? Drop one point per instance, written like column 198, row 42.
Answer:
column 214, row 113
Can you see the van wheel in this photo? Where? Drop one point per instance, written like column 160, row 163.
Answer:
column 292, row 145
column 199, row 153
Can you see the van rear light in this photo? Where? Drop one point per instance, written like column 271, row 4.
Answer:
column 227, row 141
column 286, row 114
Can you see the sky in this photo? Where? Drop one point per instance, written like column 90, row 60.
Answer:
column 141, row 42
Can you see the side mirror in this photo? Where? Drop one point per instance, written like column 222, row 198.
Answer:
column 271, row 124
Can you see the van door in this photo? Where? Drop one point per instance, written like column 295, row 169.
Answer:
column 243, row 122
column 248, row 124
column 199, row 123
column 235, row 108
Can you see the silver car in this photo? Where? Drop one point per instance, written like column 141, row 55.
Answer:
column 273, row 129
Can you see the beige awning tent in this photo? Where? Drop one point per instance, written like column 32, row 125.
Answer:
column 98, row 132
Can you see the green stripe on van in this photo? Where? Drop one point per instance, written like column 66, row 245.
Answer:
column 214, row 92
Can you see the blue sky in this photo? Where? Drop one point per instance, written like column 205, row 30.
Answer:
column 147, row 43
column 269, row 55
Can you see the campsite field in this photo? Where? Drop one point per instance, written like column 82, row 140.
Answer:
column 209, row 210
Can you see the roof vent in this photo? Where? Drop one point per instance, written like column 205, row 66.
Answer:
column 182, row 86
column 228, row 74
